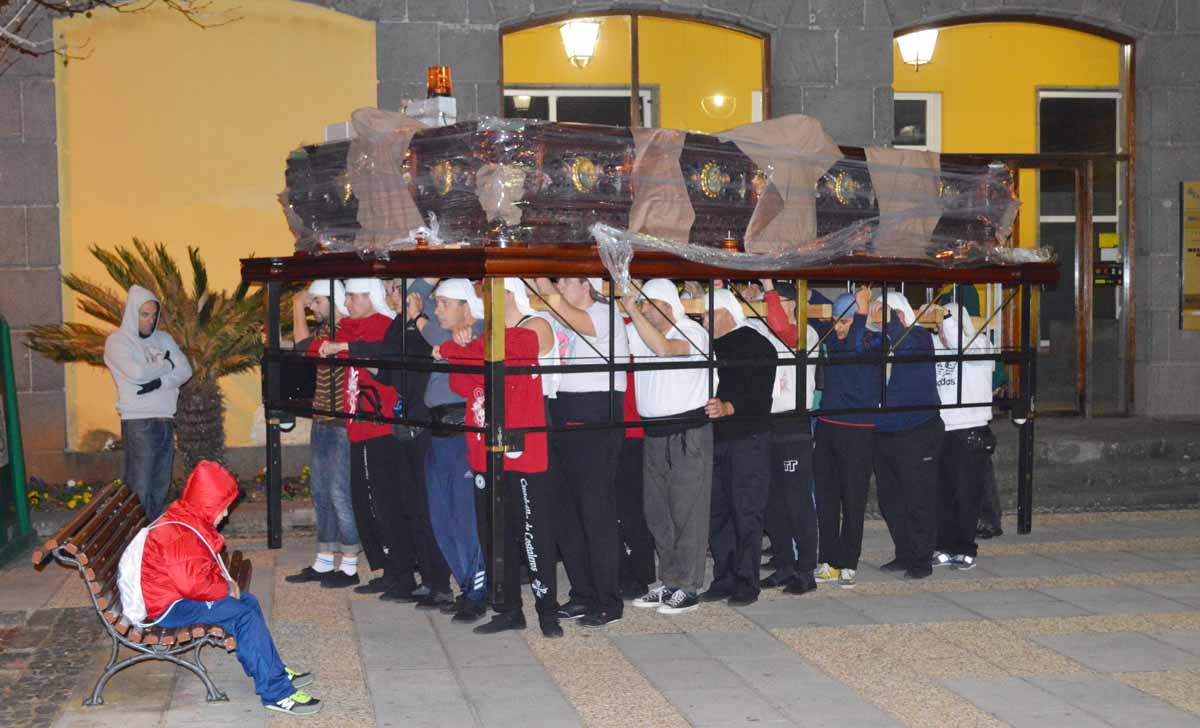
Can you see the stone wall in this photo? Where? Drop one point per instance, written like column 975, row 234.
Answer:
column 831, row 59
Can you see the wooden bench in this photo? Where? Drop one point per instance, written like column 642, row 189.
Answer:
column 93, row 542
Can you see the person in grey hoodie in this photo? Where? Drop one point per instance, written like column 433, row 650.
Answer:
column 148, row 368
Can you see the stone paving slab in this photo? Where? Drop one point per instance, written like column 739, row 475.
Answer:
column 1120, row 652
column 1014, row 604
column 1118, row 705
column 1022, row 704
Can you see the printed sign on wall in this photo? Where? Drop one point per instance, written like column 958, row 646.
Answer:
column 1189, row 257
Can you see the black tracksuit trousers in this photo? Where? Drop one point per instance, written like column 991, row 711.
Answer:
column 842, row 470
column 906, row 476
column 961, row 488
column 585, row 466
column 741, row 483
column 435, row 572
column 530, row 540
column 635, row 549
column 379, row 510
column 791, row 511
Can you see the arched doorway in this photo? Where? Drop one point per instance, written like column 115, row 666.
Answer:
column 1059, row 109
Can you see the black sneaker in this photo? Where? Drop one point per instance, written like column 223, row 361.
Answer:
column 378, row 585
column 399, row 594
column 472, row 611
column 434, row 600
column 298, row 703
column 894, row 566
column 713, row 594
column 572, row 610
column 551, row 629
column 601, row 618
column 986, row 531
column 633, row 590
column 339, row 580
column 453, row 606
column 918, row 573
column 306, row 575
column 800, row 585
column 744, row 599
column 679, row 602
column 774, row 581
column 503, row 622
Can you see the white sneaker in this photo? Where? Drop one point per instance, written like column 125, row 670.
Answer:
column 678, row 603
column 846, row 579
column 825, row 574
column 940, row 559
column 654, row 598
column 962, row 562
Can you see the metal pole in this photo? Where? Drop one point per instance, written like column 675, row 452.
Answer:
column 1025, row 422
column 801, row 345
column 12, row 425
column 497, row 439
column 271, row 394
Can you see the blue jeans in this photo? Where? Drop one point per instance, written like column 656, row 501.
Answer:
column 330, row 482
column 451, row 487
column 149, row 455
column 242, row 618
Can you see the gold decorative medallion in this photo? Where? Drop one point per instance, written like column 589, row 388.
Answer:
column 712, row 180
column 583, row 174
column 845, row 188
column 443, row 177
column 345, row 189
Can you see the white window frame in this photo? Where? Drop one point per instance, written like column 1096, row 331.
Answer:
column 1085, row 94
column 933, row 118
column 555, row 93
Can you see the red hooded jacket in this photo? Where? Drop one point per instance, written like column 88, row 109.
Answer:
column 363, row 392
column 175, row 565
column 524, row 405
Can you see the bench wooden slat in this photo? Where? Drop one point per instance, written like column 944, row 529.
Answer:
column 73, row 525
column 111, row 551
column 92, row 548
column 118, row 506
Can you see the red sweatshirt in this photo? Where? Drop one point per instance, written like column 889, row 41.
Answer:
column 524, row 405
column 175, row 564
column 777, row 319
column 363, row 393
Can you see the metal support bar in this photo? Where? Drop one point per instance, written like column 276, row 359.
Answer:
column 271, row 393
column 1025, row 440
column 493, row 480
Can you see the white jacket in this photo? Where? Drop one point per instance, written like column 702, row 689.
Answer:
column 134, row 361
column 783, row 395
column 977, row 375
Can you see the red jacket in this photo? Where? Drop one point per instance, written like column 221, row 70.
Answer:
column 175, row 564
column 363, row 393
column 524, row 405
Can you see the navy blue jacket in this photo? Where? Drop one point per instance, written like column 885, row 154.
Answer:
column 911, row 383
column 852, row 386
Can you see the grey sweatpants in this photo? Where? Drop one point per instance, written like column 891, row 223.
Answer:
column 677, row 491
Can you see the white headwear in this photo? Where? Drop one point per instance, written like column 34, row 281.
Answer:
column 898, row 303
column 724, row 298
column 520, row 295
column 460, row 289
column 954, row 315
column 662, row 289
column 597, row 285
column 373, row 287
column 320, row 287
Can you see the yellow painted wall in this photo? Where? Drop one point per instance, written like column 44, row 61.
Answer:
column 687, row 61
column 989, row 75
column 179, row 134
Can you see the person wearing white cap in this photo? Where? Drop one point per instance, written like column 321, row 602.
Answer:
column 453, row 307
column 372, row 448
column 402, row 517
column 741, row 450
column 907, row 444
column 328, row 446
column 678, row 454
column 585, row 461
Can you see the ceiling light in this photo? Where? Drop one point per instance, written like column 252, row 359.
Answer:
column 916, row 49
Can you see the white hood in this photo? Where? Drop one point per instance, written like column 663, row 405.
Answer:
column 661, row 289
column 724, row 298
column 516, row 286
column 138, row 296
column 320, row 287
column 977, row 375
column 373, row 287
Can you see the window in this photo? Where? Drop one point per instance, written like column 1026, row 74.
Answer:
column 584, row 105
column 918, row 121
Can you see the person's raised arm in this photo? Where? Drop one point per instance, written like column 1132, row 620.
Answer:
column 300, row 332
column 571, row 316
column 655, row 339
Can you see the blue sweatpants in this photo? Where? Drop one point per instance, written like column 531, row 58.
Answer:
column 450, row 484
column 243, row 619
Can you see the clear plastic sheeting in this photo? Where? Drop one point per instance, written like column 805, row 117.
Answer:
column 772, row 195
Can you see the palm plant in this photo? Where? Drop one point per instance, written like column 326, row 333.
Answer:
column 220, row 333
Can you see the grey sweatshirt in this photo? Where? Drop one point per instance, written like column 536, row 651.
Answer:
column 438, row 391
column 134, row 361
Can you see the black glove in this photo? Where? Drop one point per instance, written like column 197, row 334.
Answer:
column 167, row 356
column 150, row 386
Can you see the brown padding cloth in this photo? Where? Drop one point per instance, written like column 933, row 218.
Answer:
column 906, row 185
column 499, row 188
column 375, row 164
column 793, row 152
column 661, row 206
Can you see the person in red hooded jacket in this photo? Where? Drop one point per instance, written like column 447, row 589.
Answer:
column 184, row 583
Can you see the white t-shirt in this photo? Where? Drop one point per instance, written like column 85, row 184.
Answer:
column 580, row 351
column 672, row 391
column 783, row 395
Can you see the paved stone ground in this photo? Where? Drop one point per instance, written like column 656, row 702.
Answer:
column 1094, row 620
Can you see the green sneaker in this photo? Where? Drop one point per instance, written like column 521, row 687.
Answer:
column 298, row 703
column 299, row 679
